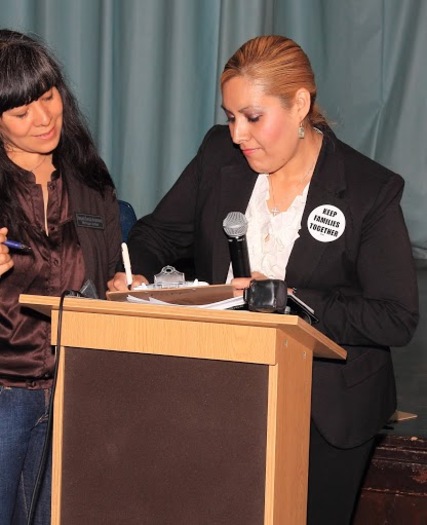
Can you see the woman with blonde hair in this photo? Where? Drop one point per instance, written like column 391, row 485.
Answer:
column 322, row 217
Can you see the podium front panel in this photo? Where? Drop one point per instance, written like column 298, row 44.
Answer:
column 160, row 440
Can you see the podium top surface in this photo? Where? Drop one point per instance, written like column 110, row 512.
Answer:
column 293, row 326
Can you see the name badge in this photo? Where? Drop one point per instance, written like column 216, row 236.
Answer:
column 83, row 220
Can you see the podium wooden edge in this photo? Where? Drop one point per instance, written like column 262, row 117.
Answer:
column 295, row 327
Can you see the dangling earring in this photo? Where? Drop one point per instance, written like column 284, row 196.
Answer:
column 301, row 131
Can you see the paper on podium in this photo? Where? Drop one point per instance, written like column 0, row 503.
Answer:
column 226, row 304
column 215, row 296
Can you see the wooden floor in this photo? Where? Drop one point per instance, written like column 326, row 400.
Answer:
column 410, row 364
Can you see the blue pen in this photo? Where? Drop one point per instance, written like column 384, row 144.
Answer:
column 15, row 245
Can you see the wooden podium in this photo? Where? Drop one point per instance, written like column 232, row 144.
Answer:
column 169, row 415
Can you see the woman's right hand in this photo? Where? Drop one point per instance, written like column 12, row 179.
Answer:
column 118, row 282
column 6, row 261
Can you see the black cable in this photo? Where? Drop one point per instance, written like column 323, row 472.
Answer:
column 47, row 439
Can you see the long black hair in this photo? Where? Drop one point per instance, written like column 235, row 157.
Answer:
column 27, row 70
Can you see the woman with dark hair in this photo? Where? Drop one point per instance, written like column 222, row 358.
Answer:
column 322, row 217
column 57, row 199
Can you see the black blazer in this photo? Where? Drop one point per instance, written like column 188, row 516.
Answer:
column 97, row 221
column 362, row 285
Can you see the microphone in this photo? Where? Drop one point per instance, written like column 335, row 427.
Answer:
column 235, row 226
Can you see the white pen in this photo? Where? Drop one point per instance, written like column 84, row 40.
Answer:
column 126, row 264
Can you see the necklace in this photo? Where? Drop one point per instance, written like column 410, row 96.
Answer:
column 15, row 159
column 275, row 209
column 37, row 166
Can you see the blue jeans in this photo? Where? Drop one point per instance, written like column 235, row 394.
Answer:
column 23, row 427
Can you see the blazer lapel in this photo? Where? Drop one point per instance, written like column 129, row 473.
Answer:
column 236, row 183
column 326, row 188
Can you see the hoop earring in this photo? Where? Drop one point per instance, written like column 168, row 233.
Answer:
column 301, row 131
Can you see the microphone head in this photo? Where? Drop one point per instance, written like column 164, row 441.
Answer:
column 235, row 224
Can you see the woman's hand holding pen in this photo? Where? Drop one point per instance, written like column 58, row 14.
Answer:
column 119, row 282
column 6, row 261
column 125, row 280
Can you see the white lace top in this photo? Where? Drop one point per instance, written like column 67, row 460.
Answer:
column 270, row 238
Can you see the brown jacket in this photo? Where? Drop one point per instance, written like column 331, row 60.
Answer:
column 83, row 243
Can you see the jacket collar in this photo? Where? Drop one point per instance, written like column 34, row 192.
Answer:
column 327, row 186
column 236, row 184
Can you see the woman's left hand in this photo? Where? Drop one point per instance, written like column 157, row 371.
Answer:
column 241, row 283
column 6, row 261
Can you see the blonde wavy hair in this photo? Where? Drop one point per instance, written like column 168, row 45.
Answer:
column 280, row 67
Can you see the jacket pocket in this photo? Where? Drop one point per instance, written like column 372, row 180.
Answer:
column 364, row 365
